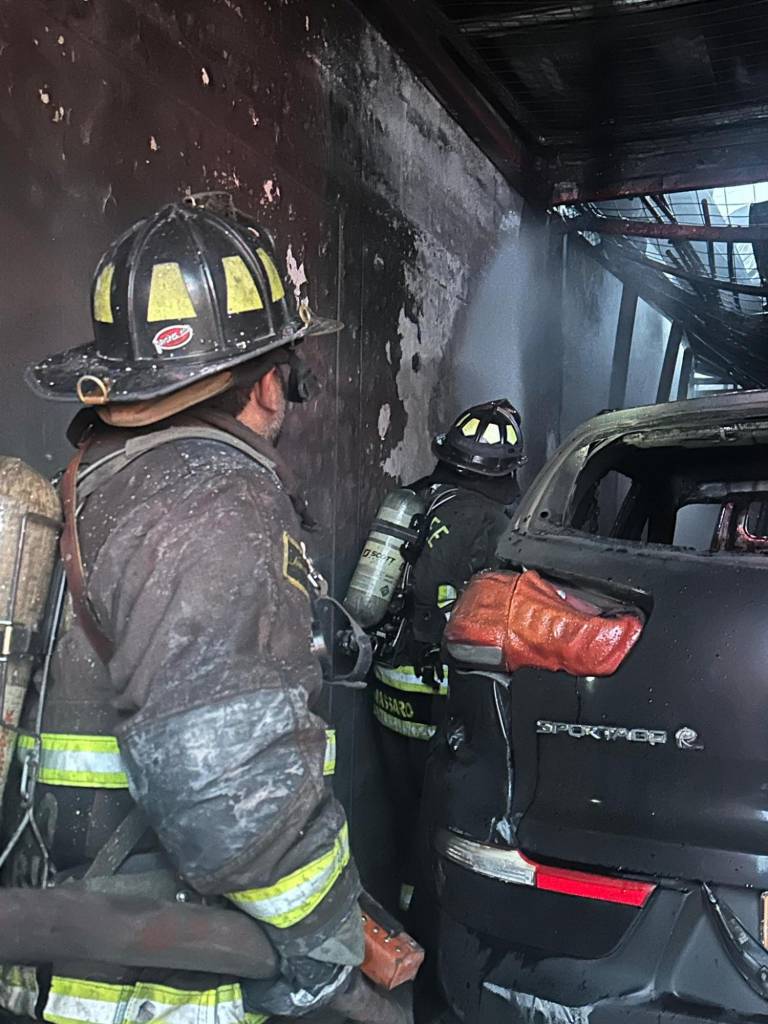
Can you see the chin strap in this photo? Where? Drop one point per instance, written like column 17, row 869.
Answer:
column 302, row 385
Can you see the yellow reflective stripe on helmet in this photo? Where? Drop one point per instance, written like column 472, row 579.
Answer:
column 404, row 678
column 242, row 293
column 491, row 434
column 296, row 895
column 446, row 595
column 275, row 284
column 76, row 1001
column 413, row 730
column 19, row 990
column 169, row 298
column 469, row 429
column 102, row 295
column 329, row 764
column 76, row 760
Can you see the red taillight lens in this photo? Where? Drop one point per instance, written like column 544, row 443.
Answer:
column 512, row 620
column 593, row 887
column 513, row 867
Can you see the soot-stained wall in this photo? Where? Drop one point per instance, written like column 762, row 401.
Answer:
column 590, row 315
column 383, row 209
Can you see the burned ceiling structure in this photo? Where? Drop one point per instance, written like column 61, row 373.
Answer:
column 700, row 258
column 593, row 98
column 623, row 117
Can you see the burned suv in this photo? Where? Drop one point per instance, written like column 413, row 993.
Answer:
column 598, row 799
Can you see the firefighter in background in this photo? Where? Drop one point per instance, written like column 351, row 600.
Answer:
column 468, row 498
column 183, row 678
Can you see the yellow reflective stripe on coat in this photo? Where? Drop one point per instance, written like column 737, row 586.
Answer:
column 329, row 763
column 76, row 1001
column 403, row 677
column 19, row 990
column 71, row 1000
column 296, row 895
column 76, row 760
column 446, row 595
column 413, row 730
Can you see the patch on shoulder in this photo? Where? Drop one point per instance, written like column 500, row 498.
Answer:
column 296, row 567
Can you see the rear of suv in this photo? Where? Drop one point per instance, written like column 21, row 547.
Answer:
column 599, row 844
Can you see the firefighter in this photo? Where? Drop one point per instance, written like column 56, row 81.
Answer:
column 468, row 498
column 178, row 731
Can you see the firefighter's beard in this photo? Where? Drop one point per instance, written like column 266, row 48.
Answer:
column 275, row 426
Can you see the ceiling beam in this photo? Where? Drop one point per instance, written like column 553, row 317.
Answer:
column 732, row 155
column 658, row 229
column 712, row 283
column 558, row 14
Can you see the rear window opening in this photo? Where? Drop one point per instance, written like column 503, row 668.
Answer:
column 705, row 499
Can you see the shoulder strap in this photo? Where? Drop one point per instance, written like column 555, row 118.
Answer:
column 119, row 845
column 75, row 484
column 137, row 446
column 72, row 560
column 443, row 494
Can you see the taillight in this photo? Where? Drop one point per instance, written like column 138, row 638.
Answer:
column 512, row 866
column 593, row 887
column 514, row 620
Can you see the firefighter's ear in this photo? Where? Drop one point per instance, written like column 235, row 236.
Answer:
column 268, row 391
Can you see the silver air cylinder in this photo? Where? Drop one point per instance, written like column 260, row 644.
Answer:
column 30, row 519
column 381, row 564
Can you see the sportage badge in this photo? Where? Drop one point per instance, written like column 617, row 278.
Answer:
column 685, row 737
column 601, row 732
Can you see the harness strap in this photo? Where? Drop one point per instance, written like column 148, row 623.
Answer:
column 119, row 845
column 72, row 560
column 69, row 544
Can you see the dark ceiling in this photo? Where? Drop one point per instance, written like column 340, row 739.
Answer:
column 587, row 100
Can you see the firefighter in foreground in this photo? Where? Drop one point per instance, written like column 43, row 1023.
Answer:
column 183, row 679
column 450, row 522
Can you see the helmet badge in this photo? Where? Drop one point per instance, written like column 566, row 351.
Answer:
column 168, row 339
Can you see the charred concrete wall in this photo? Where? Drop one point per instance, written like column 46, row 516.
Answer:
column 384, row 212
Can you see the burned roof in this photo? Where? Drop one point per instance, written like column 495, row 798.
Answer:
column 583, row 100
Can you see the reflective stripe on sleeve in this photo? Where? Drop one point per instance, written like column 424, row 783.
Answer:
column 19, row 990
column 446, row 595
column 77, row 1001
column 329, row 764
column 295, row 896
column 76, row 760
column 71, row 1000
column 404, row 678
column 413, row 730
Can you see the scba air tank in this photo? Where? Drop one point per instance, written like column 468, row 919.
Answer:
column 381, row 564
column 30, row 517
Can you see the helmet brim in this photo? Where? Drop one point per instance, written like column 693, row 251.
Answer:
column 56, row 377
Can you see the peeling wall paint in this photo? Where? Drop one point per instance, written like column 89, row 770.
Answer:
column 385, row 416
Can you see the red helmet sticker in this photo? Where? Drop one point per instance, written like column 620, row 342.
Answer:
column 168, row 339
